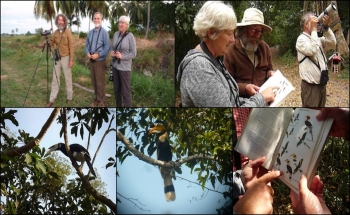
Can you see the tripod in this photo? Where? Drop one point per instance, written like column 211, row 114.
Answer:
column 47, row 45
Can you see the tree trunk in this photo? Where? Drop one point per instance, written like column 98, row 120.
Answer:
column 334, row 23
column 148, row 18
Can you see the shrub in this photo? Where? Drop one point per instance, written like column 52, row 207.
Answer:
column 82, row 34
column 147, row 59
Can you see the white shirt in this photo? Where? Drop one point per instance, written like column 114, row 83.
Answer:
column 309, row 45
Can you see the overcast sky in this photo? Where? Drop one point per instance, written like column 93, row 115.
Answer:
column 20, row 14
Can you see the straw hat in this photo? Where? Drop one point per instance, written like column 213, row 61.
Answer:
column 253, row 16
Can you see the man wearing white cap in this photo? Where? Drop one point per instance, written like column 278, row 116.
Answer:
column 249, row 57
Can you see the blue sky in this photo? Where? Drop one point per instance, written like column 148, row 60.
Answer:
column 31, row 121
column 142, row 181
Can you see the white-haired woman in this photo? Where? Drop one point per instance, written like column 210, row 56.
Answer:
column 123, row 50
column 204, row 80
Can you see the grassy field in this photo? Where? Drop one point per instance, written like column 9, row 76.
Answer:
column 20, row 56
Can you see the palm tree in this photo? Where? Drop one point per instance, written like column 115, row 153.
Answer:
column 73, row 10
column 117, row 9
column 45, row 10
column 16, row 30
column 97, row 6
column 13, row 31
column 136, row 11
column 148, row 17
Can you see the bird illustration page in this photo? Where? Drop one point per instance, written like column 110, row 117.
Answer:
column 285, row 88
column 291, row 140
column 302, row 147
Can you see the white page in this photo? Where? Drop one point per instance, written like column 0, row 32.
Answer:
column 303, row 147
column 262, row 132
column 285, row 88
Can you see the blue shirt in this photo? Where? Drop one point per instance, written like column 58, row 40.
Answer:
column 99, row 43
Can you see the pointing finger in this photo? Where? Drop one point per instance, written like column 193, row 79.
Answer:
column 257, row 162
column 268, row 177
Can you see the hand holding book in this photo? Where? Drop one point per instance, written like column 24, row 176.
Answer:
column 283, row 90
column 291, row 140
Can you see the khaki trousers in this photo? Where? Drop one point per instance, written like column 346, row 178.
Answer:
column 64, row 65
column 313, row 95
column 97, row 73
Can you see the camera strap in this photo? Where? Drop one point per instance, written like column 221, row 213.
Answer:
column 60, row 40
column 99, row 31
column 318, row 64
column 124, row 35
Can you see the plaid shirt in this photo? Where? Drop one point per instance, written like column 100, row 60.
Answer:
column 240, row 117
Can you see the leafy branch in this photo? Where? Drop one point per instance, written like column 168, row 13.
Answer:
column 27, row 147
column 159, row 163
column 84, row 179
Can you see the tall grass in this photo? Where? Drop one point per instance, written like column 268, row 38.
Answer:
column 152, row 91
column 21, row 55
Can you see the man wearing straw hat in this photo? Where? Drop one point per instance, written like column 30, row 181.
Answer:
column 249, row 57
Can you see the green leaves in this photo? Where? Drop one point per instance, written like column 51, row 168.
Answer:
column 205, row 131
column 39, row 165
column 36, row 160
column 9, row 115
column 86, row 117
column 28, row 158
column 112, row 163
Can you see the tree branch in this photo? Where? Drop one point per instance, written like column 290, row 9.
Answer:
column 159, row 163
column 89, row 188
column 24, row 149
column 129, row 199
column 198, row 184
column 99, row 146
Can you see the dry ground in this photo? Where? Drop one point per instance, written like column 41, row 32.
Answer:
column 337, row 88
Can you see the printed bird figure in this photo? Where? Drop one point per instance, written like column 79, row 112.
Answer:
column 278, row 161
column 284, row 149
column 309, row 125
column 294, row 157
column 78, row 151
column 298, row 167
column 289, row 169
column 164, row 154
column 302, row 139
column 296, row 118
column 291, row 131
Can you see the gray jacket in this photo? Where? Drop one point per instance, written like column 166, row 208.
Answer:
column 127, row 48
column 203, row 85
